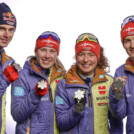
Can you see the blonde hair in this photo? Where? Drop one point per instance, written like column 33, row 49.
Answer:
column 59, row 65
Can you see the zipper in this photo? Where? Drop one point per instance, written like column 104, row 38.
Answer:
column 90, row 99
column 89, row 95
column 50, row 94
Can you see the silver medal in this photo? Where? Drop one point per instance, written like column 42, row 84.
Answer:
column 17, row 66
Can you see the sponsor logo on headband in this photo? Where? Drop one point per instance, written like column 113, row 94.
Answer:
column 49, row 45
column 87, row 48
column 10, row 23
column 50, row 41
column 128, row 29
column 8, row 17
column 130, row 33
column 86, row 44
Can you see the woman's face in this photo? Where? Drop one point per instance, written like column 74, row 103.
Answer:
column 46, row 57
column 86, row 62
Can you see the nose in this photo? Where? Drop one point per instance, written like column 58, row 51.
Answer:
column 47, row 55
column 6, row 33
column 86, row 58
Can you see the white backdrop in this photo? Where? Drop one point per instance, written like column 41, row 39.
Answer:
column 68, row 18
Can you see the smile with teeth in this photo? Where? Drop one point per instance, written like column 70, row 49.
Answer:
column 86, row 65
column 45, row 61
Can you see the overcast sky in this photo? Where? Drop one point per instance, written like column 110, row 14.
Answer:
column 69, row 19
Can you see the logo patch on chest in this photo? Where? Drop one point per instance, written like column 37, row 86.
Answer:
column 102, row 90
column 18, row 91
column 59, row 100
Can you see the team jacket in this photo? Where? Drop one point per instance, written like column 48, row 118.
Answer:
column 94, row 119
column 4, row 62
column 125, row 107
column 33, row 114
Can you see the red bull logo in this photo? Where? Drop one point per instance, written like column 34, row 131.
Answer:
column 102, row 90
column 8, row 17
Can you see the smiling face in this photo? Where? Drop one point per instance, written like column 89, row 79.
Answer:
column 46, row 57
column 6, row 35
column 129, row 45
column 86, row 62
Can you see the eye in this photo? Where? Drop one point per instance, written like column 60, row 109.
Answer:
column 81, row 54
column 53, row 51
column 12, row 30
column 127, row 40
column 91, row 54
column 1, row 28
column 43, row 49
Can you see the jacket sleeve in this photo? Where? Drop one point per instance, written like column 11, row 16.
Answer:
column 65, row 115
column 116, row 125
column 23, row 100
column 3, row 84
column 117, row 107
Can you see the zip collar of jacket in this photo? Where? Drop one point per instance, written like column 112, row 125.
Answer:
column 72, row 77
column 5, row 60
column 129, row 66
column 54, row 72
column 5, row 57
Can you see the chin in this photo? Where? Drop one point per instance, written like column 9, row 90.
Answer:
column 45, row 66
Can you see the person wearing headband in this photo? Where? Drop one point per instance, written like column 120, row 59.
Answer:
column 122, row 90
column 8, row 68
column 82, row 96
column 33, row 94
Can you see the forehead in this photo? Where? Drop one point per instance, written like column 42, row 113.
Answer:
column 129, row 37
column 47, row 48
column 7, row 26
column 87, row 52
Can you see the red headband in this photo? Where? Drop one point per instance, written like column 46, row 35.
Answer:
column 127, row 30
column 87, row 45
column 49, row 42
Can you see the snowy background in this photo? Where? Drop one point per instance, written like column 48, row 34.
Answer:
column 68, row 18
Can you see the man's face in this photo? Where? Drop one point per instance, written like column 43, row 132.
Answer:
column 129, row 45
column 6, row 35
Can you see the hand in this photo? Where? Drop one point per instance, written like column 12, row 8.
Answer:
column 119, row 83
column 41, row 87
column 11, row 73
column 80, row 101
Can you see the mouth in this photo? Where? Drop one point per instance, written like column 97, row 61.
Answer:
column 132, row 50
column 4, row 41
column 46, row 62
column 86, row 65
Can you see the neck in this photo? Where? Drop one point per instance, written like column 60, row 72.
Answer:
column 85, row 76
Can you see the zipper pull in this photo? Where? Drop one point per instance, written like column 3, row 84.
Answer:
column 90, row 100
column 50, row 94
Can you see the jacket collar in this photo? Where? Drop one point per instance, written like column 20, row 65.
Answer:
column 54, row 72
column 5, row 57
column 129, row 66
column 73, row 78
